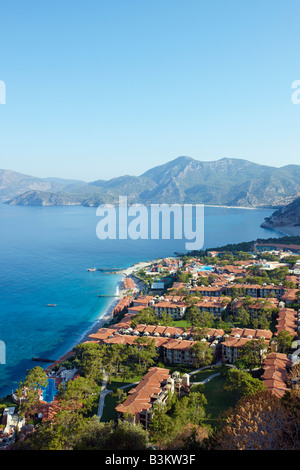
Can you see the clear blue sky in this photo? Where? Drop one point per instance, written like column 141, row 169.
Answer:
column 97, row 89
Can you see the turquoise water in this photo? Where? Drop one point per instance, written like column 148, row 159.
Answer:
column 44, row 256
column 206, row 268
column 50, row 391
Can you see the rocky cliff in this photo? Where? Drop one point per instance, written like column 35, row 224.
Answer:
column 287, row 216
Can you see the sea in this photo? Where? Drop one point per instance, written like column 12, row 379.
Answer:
column 45, row 256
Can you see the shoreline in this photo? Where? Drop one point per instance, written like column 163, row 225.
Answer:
column 106, row 316
column 289, row 230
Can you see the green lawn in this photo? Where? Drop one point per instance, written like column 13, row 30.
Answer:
column 218, row 400
column 110, row 402
column 109, row 412
column 118, row 381
column 181, row 324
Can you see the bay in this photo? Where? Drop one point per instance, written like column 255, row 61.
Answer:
column 44, row 256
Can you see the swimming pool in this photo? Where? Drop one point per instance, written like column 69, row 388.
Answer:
column 50, row 391
column 206, row 268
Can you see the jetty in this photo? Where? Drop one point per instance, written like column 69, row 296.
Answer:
column 103, row 295
column 42, row 359
column 111, row 270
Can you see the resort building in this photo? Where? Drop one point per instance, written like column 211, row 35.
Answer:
column 290, row 296
column 256, row 290
column 210, row 291
column 231, row 347
column 128, row 283
column 124, row 303
column 275, row 373
column 175, row 309
column 177, row 351
column 254, row 306
column 287, row 320
column 214, row 306
column 155, row 387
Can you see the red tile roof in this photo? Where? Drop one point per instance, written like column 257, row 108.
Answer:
column 139, row 398
column 275, row 373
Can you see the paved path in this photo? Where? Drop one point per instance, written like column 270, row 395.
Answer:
column 208, row 379
column 128, row 385
column 103, row 393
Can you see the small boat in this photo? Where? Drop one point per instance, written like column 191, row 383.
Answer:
column 91, row 269
column 51, row 305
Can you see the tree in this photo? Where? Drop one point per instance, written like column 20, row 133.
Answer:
column 189, row 409
column 77, row 392
column 127, row 436
column 260, row 422
column 192, row 314
column 166, row 319
column 242, row 382
column 145, row 317
column 91, row 363
column 253, row 352
column 115, row 356
column 183, row 277
column 144, row 352
column 202, row 281
column 202, row 354
column 71, row 431
column 90, row 359
column 284, row 341
column 243, row 317
column 191, row 438
column 120, row 394
column 162, row 427
column 205, row 319
column 29, row 391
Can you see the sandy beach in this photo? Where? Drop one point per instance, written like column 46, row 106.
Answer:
column 108, row 315
column 136, row 267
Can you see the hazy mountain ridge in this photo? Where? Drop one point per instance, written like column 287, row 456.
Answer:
column 13, row 184
column 232, row 182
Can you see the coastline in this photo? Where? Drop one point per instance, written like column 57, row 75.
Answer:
column 290, row 230
column 106, row 316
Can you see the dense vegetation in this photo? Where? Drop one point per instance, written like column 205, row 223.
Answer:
column 234, row 248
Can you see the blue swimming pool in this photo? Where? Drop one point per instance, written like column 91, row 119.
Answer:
column 50, row 391
column 206, row 268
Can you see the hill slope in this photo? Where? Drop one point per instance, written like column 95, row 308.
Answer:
column 288, row 216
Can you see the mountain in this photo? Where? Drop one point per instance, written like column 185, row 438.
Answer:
column 41, row 198
column 288, row 216
column 12, row 184
column 228, row 181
